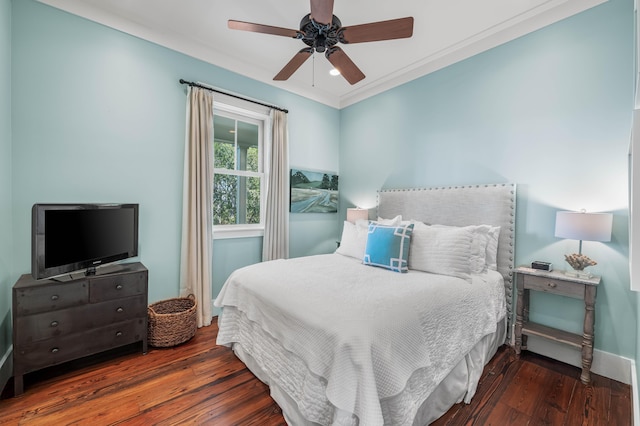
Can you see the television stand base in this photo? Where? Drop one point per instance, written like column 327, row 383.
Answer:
column 100, row 270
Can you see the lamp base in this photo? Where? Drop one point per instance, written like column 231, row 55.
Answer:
column 578, row 274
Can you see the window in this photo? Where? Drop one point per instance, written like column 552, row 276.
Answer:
column 239, row 176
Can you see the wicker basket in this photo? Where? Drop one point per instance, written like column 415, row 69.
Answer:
column 172, row 321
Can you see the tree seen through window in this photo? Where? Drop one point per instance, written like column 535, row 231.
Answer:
column 237, row 172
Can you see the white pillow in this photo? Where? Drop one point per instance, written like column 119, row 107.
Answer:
column 492, row 247
column 480, row 238
column 390, row 222
column 484, row 250
column 441, row 250
column 354, row 239
column 480, row 244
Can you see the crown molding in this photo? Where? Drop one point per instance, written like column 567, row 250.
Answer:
column 535, row 19
column 548, row 13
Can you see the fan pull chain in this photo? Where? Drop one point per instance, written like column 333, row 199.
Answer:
column 313, row 70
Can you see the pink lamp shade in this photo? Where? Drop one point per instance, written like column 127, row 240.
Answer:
column 354, row 214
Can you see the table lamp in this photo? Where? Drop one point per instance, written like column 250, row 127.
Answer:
column 583, row 226
column 354, row 214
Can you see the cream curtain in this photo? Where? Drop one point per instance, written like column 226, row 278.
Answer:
column 276, row 228
column 195, row 264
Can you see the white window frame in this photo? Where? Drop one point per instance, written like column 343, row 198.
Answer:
column 263, row 120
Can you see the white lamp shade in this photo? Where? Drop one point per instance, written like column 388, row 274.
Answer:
column 354, row 214
column 584, row 226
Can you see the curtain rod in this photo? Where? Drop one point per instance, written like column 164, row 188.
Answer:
column 191, row 83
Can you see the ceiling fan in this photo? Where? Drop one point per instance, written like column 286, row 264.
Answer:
column 321, row 30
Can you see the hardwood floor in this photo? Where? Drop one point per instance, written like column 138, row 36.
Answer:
column 535, row 390
column 201, row 383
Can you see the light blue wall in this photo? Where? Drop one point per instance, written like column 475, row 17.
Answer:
column 99, row 117
column 5, row 180
column 551, row 112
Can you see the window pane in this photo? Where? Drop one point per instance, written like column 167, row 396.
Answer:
column 224, row 156
column 224, row 199
column 236, row 200
column 247, row 146
column 253, row 200
column 224, row 142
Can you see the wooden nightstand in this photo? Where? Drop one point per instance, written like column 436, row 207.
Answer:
column 557, row 283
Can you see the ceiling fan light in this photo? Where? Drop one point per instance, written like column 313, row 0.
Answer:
column 334, row 72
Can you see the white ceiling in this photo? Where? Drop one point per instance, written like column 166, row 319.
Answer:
column 445, row 31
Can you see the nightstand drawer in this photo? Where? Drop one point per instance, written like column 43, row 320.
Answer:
column 554, row 286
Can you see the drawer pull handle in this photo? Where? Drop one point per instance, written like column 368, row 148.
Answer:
column 120, row 309
column 118, row 333
column 54, row 323
column 55, row 350
column 119, row 287
column 552, row 285
column 54, row 297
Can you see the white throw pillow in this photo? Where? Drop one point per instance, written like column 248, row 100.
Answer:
column 484, row 250
column 441, row 250
column 390, row 222
column 492, row 247
column 480, row 238
column 354, row 239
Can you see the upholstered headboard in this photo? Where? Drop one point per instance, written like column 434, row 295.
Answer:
column 460, row 206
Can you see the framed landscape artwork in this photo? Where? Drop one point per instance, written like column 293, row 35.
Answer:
column 313, row 192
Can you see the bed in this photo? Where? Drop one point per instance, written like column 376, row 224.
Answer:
column 340, row 342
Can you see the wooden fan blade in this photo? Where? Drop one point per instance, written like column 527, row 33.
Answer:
column 265, row 29
column 344, row 64
column 293, row 64
column 378, row 31
column 322, row 11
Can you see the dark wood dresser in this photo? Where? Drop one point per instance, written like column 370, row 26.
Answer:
column 56, row 322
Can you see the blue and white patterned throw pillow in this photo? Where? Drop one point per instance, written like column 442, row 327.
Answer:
column 388, row 246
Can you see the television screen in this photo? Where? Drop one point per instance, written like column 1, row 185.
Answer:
column 71, row 237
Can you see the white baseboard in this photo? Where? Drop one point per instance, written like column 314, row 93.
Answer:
column 635, row 395
column 606, row 364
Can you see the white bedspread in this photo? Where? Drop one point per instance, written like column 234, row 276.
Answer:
column 363, row 330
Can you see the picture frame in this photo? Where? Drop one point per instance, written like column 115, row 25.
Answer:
column 313, row 191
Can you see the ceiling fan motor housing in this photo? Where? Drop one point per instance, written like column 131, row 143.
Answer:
column 320, row 36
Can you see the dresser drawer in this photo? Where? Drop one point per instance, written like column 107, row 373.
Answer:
column 555, row 286
column 54, row 351
column 48, row 325
column 117, row 310
column 107, row 288
column 50, row 296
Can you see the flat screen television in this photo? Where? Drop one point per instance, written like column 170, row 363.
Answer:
column 71, row 237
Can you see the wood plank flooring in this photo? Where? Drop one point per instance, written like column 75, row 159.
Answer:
column 201, row 383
